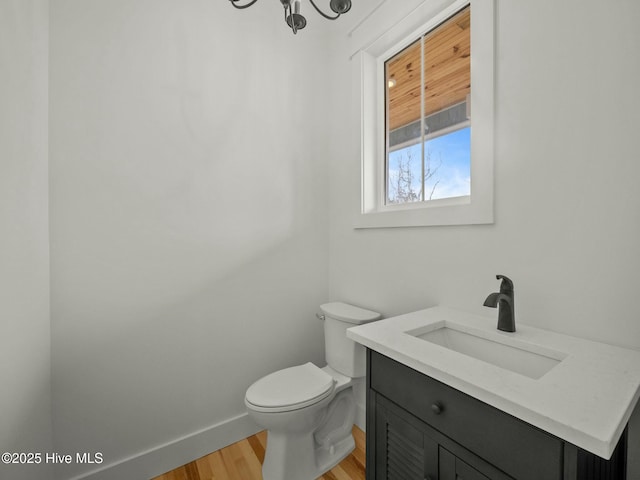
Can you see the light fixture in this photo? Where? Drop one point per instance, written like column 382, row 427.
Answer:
column 292, row 15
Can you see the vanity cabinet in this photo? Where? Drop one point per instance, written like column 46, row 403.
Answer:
column 419, row 428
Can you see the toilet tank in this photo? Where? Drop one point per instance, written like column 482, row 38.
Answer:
column 343, row 354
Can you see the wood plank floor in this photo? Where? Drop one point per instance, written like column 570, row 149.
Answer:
column 243, row 461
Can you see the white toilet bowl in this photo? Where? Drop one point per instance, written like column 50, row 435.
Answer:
column 309, row 411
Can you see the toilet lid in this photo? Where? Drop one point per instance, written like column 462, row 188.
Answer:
column 290, row 388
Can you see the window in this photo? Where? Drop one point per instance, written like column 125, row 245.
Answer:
column 425, row 160
column 427, row 125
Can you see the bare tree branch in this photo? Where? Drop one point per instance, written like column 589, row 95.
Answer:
column 401, row 181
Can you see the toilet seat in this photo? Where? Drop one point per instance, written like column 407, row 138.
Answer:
column 289, row 389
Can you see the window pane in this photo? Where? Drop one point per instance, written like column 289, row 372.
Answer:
column 403, row 79
column 448, row 165
column 404, row 163
column 447, row 63
column 404, row 182
column 447, row 77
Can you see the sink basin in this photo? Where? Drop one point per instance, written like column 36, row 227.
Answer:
column 529, row 360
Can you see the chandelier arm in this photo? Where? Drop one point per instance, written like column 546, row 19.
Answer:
column 288, row 12
column 240, row 7
column 328, row 17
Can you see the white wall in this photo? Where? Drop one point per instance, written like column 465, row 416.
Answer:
column 25, row 366
column 189, row 215
column 567, row 214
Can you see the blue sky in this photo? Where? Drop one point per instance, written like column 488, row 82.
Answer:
column 452, row 153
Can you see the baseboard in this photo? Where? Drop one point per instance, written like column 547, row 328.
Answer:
column 169, row 456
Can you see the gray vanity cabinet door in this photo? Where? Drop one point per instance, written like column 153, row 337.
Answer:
column 452, row 468
column 403, row 452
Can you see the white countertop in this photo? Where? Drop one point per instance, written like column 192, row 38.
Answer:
column 586, row 399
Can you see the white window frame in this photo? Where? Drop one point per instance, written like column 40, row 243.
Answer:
column 476, row 208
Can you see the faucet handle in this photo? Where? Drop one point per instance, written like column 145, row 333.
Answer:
column 506, row 285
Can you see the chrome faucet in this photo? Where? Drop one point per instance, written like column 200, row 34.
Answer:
column 503, row 300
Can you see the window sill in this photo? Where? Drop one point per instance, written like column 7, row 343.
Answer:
column 459, row 211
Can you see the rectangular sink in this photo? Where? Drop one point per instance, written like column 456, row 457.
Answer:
column 499, row 350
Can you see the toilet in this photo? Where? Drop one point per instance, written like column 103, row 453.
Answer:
column 309, row 411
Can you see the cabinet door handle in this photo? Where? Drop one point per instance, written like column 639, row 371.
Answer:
column 437, row 408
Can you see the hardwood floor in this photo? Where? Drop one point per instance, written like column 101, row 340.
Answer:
column 243, row 461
